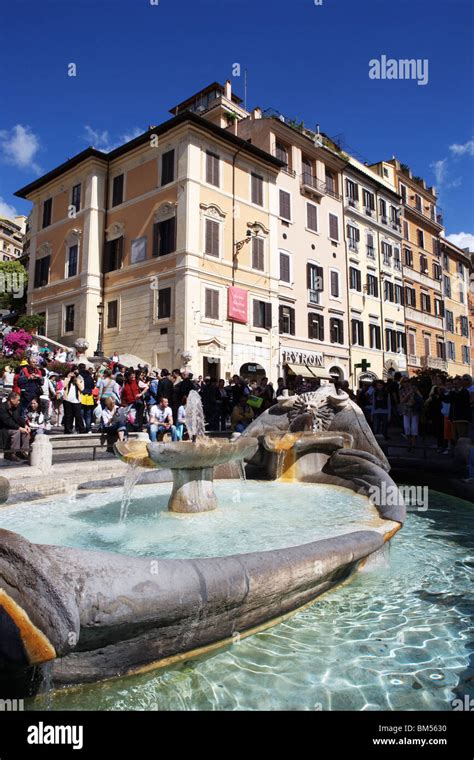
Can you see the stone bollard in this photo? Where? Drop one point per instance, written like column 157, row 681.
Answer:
column 4, row 489
column 42, row 453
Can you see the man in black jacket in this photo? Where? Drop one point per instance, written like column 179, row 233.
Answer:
column 165, row 386
column 14, row 431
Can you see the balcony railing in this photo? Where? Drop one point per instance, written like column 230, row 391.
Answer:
column 414, row 360
column 435, row 218
column 434, row 362
column 369, row 211
column 384, row 219
column 311, row 182
column 353, row 245
column 370, row 252
column 313, row 296
column 352, row 203
column 397, row 264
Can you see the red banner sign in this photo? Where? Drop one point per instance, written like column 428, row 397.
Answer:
column 237, row 305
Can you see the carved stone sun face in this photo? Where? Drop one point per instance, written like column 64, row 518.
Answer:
column 315, row 404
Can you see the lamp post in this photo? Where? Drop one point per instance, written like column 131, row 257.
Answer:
column 100, row 311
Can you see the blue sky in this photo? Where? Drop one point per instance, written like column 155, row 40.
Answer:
column 135, row 60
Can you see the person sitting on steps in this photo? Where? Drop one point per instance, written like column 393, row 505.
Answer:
column 14, row 430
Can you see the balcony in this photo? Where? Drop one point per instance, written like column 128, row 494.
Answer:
column 384, row 220
column 422, row 279
column 352, row 203
column 413, row 360
column 434, row 362
column 435, row 219
column 313, row 185
column 397, row 264
column 423, row 318
column 353, row 246
column 313, row 296
column 370, row 252
column 395, row 225
column 369, row 212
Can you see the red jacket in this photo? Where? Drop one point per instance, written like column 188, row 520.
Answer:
column 130, row 391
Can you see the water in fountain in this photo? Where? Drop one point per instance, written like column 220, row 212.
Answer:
column 195, row 416
column 132, row 476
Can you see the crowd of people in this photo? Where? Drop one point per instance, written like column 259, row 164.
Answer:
column 115, row 400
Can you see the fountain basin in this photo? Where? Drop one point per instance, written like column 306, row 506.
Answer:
column 192, row 466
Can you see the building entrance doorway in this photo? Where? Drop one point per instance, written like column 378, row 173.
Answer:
column 211, row 367
column 252, row 371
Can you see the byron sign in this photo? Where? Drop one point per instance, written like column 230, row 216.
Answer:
column 309, row 358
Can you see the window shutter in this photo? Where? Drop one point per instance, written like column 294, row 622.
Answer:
column 208, row 306
column 308, row 276
column 285, row 205
column 212, row 238
column 310, row 325
column 284, row 267
column 320, row 275
column 119, row 252
column 333, row 227
column 312, row 217
column 335, row 284
column 212, row 169
column 37, row 273
column 256, row 314
column 156, row 239
column 257, row 254
column 167, row 167
column 268, row 315
column 321, row 327
column 292, row 321
column 257, row 189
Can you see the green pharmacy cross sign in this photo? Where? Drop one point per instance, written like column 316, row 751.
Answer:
column 364, row 365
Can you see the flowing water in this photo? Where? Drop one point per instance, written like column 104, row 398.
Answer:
column 195, row 421
column 132, row 476
column 396, row 638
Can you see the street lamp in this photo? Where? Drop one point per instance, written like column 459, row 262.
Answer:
column 100, row 311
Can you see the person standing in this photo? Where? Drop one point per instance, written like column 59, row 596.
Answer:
column 73, row 387
column 411, row 402
column 87, row 398
column 460, row 412
column 222, row 405
column 381, row 409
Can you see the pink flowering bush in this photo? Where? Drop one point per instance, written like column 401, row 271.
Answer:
column 16, row 342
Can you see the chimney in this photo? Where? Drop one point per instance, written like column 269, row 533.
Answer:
column 256, row 114
column 228, row 90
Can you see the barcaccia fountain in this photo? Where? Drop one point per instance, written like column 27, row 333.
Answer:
column 95, row 615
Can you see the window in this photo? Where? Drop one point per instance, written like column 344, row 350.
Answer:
column 451, row 350
column 258, row 261
column 353, row 237
column 460, row 268
column 312, row 217
column 76, row 198
column 439, row 307
column 425, row 302
column 164, row 237
column 212, row 234
column 368, row 200
column 334, row 290
column 138, row 250
column 284, row 267
column 406, row 233
column 408, row 257
column 42, row 271
column 412, row 343
column 117, row 190
column 446, row 261
column 420, row 238
column 71, row 269
column 333, row 227
column 42, row 328
column 212, row 169
column 437, row 271
column 374, row 336
column 315, row 326
column 164, row 303
column 440, row 349
column 424, row 264
column 394, row 217
column 336, row 328
column 389, row 294
column 256, row 183
column 262, row 314
column 357, row 332
column 314, row 282
column 396, row 259
column 372, row 286
column 391, row 342
column 466, row 355
column 418, row 203
column 308, row 171
column 435, row 243
column 286, row 320
column 69, row 318
column 113, row 254
column 47, row 212
column 446, row 286
column 370, row 246
column 464, row 326
column 281, row 153
column 352, row 191
column 285, row 205
column 386, row 253
column 383, row 210
column 403, row 193
column 427, row 344
column 449, row 321
column 167, row 167
column 330, row 182
column 211, row 308
column 410, row 296
column 112, row 314
column 399, row 294
column 355, row 279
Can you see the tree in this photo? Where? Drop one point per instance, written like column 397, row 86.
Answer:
column 30, row 322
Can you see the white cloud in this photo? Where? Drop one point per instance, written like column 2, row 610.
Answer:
column 102, row 140
column 462, row 240
column 7, row 210
column 466, row 149
column 439, row 170
column 19, row 147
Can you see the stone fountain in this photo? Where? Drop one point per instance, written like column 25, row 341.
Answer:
column 191, row 462
column 94, row 615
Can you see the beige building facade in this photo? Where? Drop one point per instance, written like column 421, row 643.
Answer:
column 12, row 237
